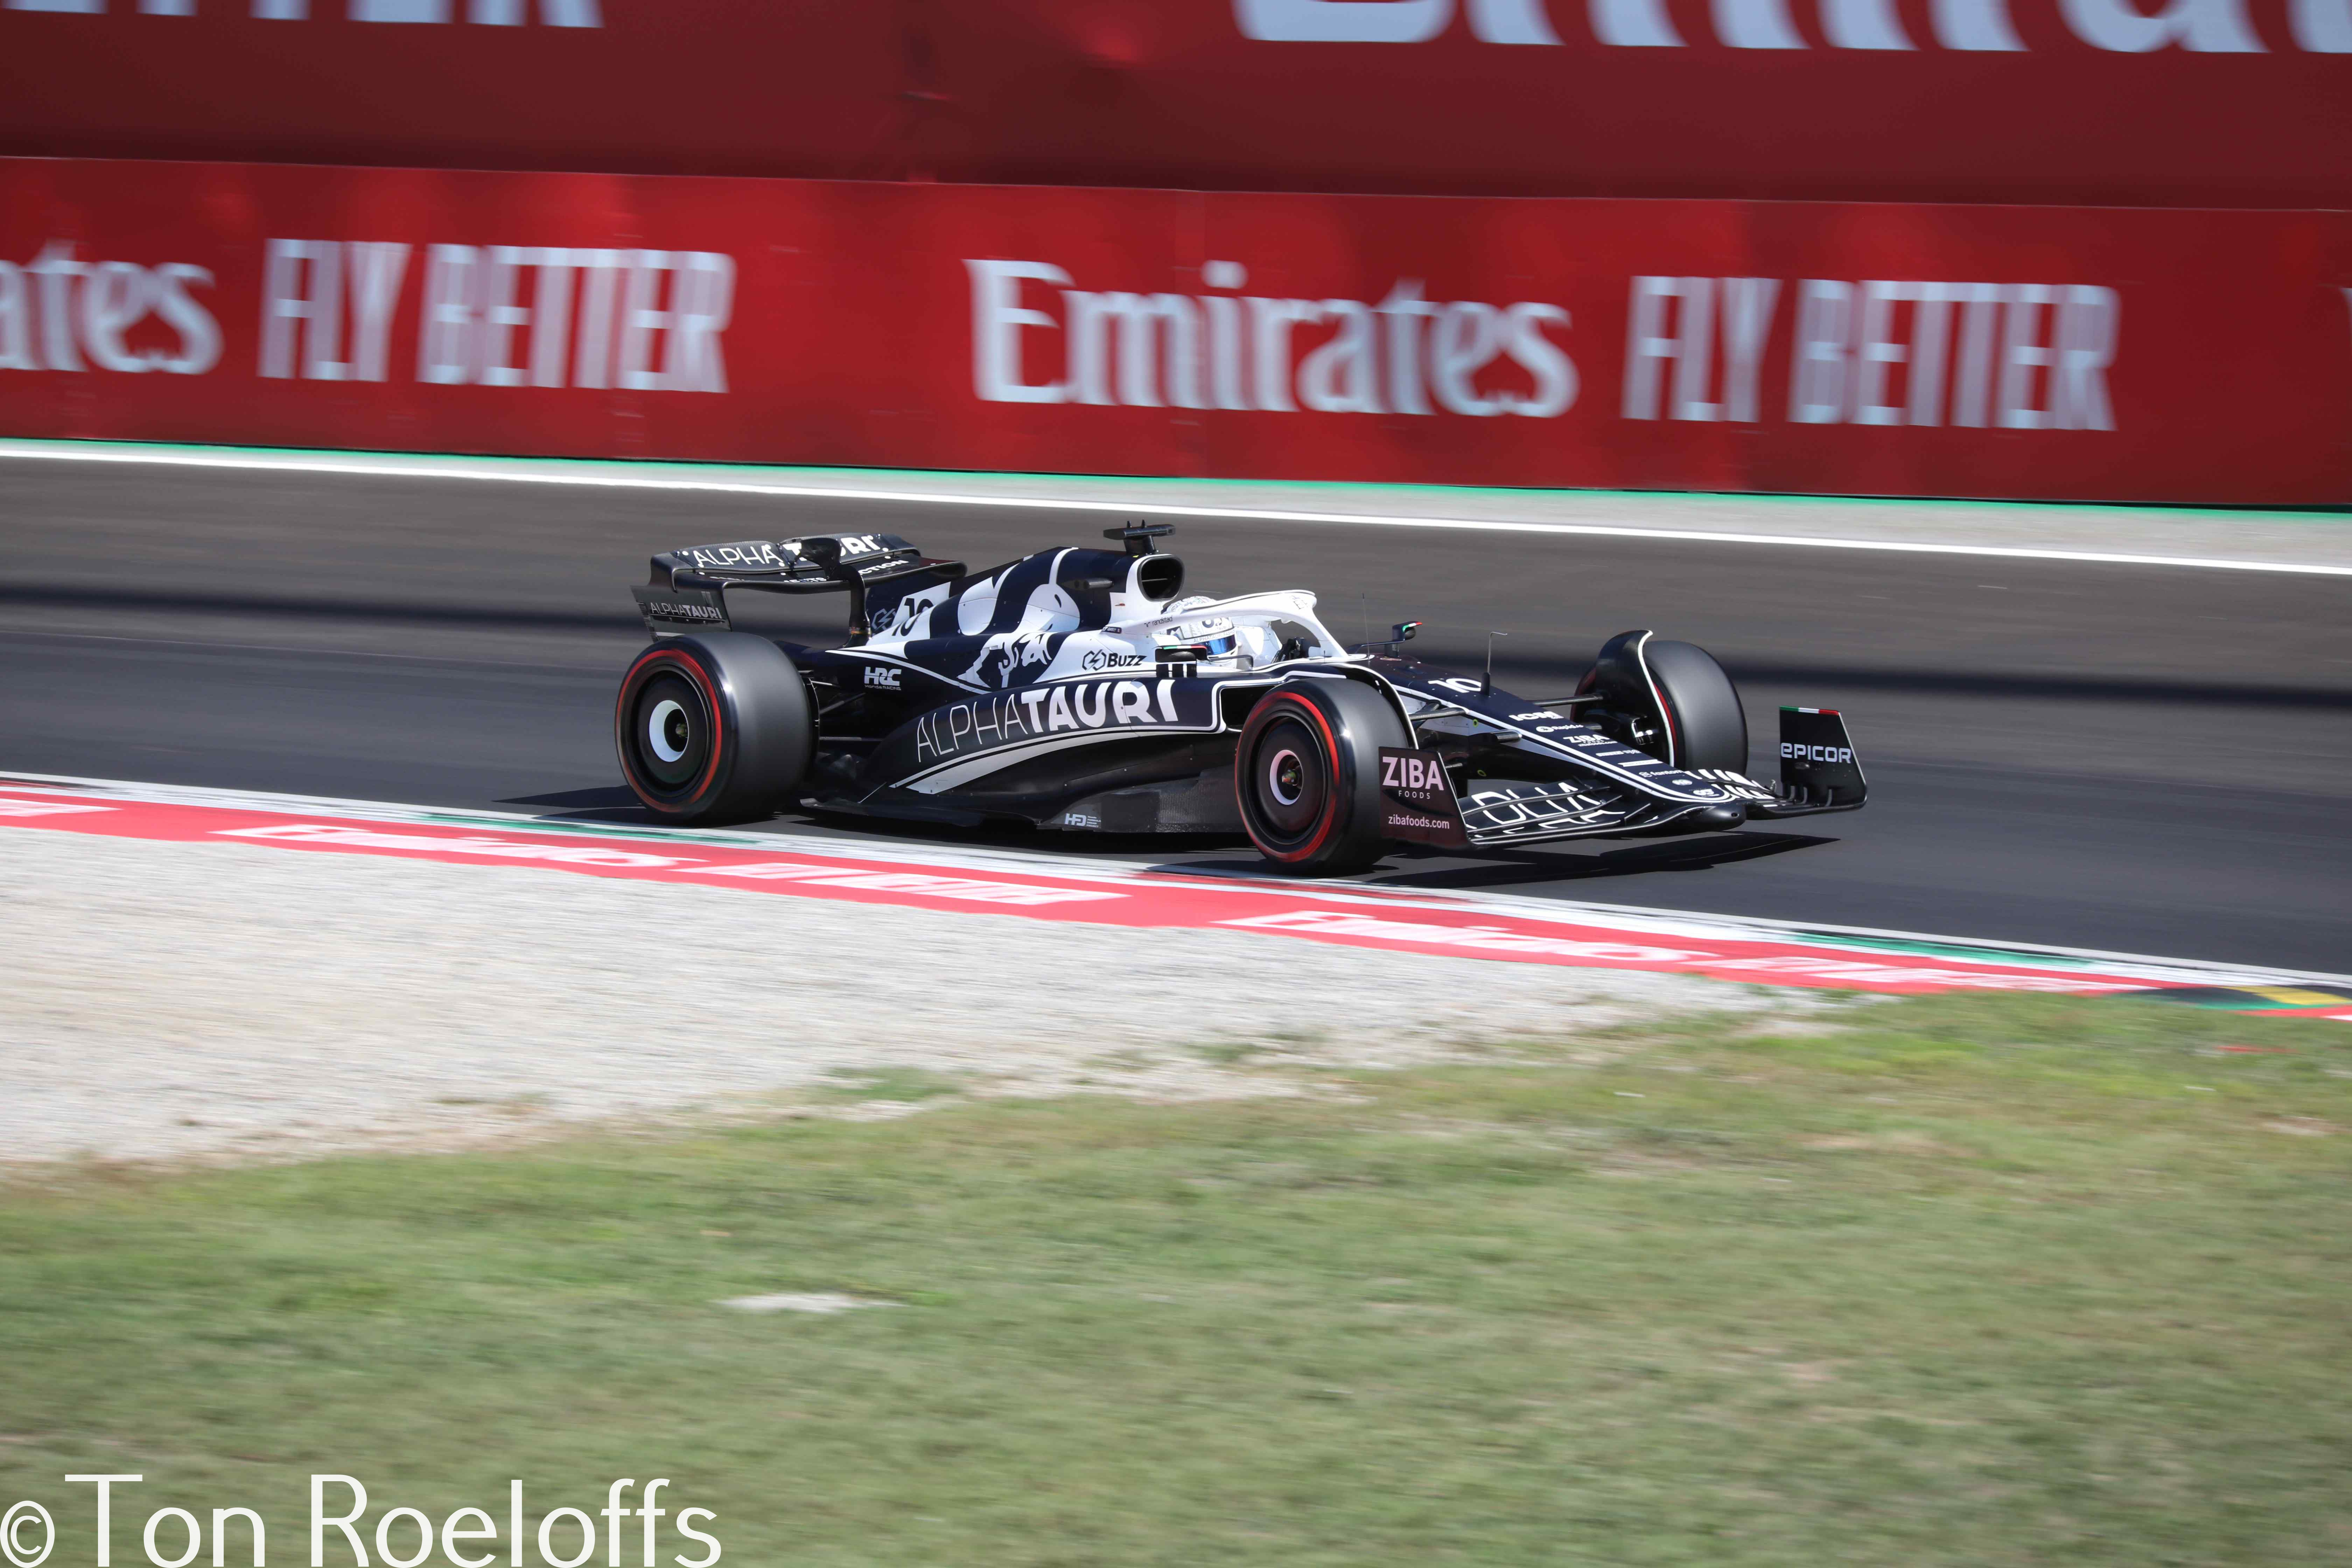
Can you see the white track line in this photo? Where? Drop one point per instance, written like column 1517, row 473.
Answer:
column 488, row 470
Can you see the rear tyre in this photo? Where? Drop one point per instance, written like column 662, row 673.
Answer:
column 712, row 728
column 1307, row 775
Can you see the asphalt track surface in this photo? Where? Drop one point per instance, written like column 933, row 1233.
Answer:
column 2123, row 757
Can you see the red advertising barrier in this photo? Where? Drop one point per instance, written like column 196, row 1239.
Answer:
column 2020, row 351
column 2118, row 102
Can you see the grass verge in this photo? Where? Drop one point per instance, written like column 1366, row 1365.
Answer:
column 1991, row 1280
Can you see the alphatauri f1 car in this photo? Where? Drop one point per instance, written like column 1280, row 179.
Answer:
column 1083, row 689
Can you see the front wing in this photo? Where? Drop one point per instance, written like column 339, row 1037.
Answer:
column 1617, row 789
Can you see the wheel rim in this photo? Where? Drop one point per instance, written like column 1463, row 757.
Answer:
column 1293, row 780
column 668, row 729
column 1285, row 776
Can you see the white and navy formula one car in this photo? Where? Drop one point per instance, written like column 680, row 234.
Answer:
column 1083, row 689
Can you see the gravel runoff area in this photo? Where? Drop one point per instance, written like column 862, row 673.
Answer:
column 2215, row 533
column 207, row 1002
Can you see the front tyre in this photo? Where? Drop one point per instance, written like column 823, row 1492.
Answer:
column 714, row 728
column 1670, row 700
column 1307, row 775
column 1706, row 726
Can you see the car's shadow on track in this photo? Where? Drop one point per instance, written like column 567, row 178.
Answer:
column 616, row 804
column 1516, row 868
column 1505, row 868
column 1213, row 855
column 612, row 803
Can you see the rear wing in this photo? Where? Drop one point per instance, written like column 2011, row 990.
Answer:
column 688, row 590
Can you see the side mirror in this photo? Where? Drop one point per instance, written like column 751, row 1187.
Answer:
column 1399, row 635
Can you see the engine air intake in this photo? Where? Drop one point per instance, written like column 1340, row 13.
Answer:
column 1156, row 578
